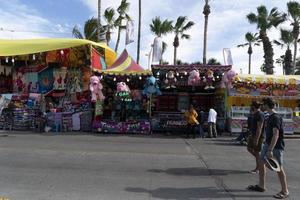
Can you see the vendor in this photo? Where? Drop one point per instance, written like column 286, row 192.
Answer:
column 191, row 118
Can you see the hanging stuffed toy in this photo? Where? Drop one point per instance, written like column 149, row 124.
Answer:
column 123, row 91
column 228, row 78
column 151, row 87
column 96, row 89
column 209, row 79
column 170, row 80
column 194, row 77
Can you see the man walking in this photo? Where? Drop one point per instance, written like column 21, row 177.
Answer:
column 212, row 119
column 255, row 139
column 273, row 147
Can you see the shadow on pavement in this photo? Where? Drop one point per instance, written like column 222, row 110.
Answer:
column 189, row 193
column 196, row 171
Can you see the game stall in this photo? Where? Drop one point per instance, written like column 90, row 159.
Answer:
column 246, row 88
column 182, row 85
column 50, row 82
column 124, row 109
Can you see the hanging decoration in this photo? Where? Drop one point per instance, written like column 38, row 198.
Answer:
column 194, row 77
column 96, row 89
column 228, row 79
column 123, row 92
column 209, row 79
column 151, row 87
column 170, row 80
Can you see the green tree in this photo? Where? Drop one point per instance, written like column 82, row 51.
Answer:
column 265, row 21
column 206, row 12
column 139, row 33
column 294, row 13
column 123, row 15
column 213, row 61
column 286, row 39
column 181, row 26
column 252, row 39
column 90, row 30
column 109, row 16
column 160, row 28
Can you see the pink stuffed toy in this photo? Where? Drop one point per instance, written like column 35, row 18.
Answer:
column 96, row 89
column 194, row 77
column 228, row 78
column 122, row 87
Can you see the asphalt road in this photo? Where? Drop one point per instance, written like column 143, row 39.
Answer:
column 119, row 167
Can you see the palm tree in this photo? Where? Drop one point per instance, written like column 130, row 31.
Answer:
column 265, row 21
column 139, row 32
column 294, row 13
column 179, row 29
column 90, row 30
column 161, row 28
column 122, row 10
column 252, row 39
column 286, row 39
column 109, row 16
column 99, row 20
column 206, row 12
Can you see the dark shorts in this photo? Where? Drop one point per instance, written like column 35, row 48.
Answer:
column 277, row 153
column 252, row 146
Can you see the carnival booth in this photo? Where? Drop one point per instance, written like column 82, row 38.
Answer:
column 246, row 88
column 182, row 85
column 49, row 81
column 124, row 109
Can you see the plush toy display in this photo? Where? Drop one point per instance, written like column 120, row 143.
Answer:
column 209, row 78
column 194, row 77
column 123, row 92
column 151, row 87
column 96, row 88
column 170, row 80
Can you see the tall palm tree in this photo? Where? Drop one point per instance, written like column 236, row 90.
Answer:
column 206, row 12
column 161, row 28
column 252, row 39
column 139, row 32
column 109, row 16
column 265, row 21
column 123, row 14
column 286, row 39
column 294, row 13
column 179, row 29
column 99, row 20
column 90, row 30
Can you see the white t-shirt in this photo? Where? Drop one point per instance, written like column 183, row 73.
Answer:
column 212, row 116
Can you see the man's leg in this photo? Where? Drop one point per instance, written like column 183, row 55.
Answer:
column 262, row 174
column 283, row 182
column 194, row 131
column 210, row 127
column 188, row 131
column 256, row 155
column 214, row 130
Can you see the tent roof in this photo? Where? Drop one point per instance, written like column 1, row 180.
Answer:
column 31, row 46
column 125, row 65
column 281, row 79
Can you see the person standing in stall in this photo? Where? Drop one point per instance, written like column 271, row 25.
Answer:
column 212, row 120
column 192, row 122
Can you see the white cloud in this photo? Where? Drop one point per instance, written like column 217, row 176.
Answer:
column 18, row 21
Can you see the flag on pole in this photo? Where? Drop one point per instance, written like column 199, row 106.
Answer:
column 129, row 32
column 227, row 56
column 157, row 49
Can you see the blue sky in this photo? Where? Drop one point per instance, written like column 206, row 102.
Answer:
column 226, row 28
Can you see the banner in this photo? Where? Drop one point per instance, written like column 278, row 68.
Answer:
column 157, row 49
column 129, row 32
column 227, row 56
